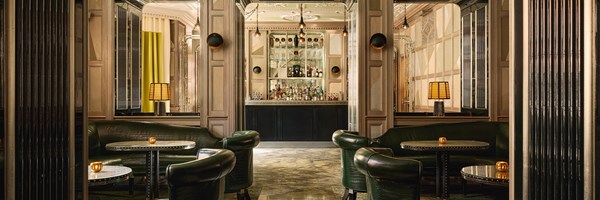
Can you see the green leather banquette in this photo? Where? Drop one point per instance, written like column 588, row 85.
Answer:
column 241, row 143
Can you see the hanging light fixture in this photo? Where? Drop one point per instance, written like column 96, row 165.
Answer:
column 302, row 34
column 345, row 31
column 405, row 24
column 196, row 28
column 302, row 24
column 257, row 32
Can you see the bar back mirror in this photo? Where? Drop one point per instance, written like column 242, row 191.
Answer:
column 156, row 46
column 429, row 52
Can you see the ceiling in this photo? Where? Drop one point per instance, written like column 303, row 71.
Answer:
column 290, row 12
column 186, row 11
column 279, row 12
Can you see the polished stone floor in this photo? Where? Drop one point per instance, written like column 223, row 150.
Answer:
column 300, row 173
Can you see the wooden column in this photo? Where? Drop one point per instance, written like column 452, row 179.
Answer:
column 370, row 70
column 219, row 70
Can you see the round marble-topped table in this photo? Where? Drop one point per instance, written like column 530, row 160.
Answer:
column 109, row 175
column 152, row 164
column 441, row 150
column 485, row 174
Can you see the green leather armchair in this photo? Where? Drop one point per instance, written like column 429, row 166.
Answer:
column 352, row 180
column 202, row 178
column 388, row 177
column 240, row 143
column 240, row 179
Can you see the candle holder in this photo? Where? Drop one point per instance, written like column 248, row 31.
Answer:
column 502, row 166
column 501, row 175
column 96, row 166
column 442, row 140
column 152, row 140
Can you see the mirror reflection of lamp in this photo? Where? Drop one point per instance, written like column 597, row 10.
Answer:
column 159, row 93
column 439, row 90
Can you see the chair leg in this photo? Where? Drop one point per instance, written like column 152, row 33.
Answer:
column 240, row 195
column 345, row 197
column 352, row 196
column 246, row 194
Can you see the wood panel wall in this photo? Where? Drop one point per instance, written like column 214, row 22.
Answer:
column 218, row 74
column 371, row 72
column 219, row 71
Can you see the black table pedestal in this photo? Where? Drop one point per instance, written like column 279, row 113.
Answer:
column 152, row 174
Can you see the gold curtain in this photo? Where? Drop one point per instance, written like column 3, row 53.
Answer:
column 152, row 65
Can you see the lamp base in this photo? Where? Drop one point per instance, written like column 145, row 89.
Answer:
column 438, row 108
column 160, row 108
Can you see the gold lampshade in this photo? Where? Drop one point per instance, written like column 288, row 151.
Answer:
column 439, row 90
column 159, row 92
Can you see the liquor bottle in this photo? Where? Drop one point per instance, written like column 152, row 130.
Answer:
column 296, row 41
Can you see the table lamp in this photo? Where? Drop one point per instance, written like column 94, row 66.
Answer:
column 159, row 93
column 439, row 91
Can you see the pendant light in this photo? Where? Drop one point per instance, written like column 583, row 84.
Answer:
column 257, row 32
column 196, row 29
column 405, row 24
column 301, row 34
column 302, row 24
column 345, row 31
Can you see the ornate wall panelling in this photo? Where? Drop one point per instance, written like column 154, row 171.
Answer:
column 219, row 78
column 100, row 59
column 498, row 60
column 374, row 71
column 46, row 94
column 555, row 139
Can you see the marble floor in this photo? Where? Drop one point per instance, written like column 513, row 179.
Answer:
column 299, row 174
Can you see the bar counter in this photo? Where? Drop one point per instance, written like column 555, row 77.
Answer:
column 296, row 120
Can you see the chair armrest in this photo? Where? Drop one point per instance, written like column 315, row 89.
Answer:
column 371, row 162
column 349, row 139
column 212, row 164
column 240, row 140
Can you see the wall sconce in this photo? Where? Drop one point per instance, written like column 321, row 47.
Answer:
column 378, row 41
column 214, row 41
column 159, row 93
column 256, row 69
column 335, row 69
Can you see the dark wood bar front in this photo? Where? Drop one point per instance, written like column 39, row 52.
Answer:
column 296, row 121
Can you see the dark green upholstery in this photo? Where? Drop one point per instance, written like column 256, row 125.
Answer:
column 240, row 143
column 495, row 133
column 388, row 177
column 352, row 180
column 202, row 178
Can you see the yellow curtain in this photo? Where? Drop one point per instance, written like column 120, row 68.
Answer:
column 152, row 65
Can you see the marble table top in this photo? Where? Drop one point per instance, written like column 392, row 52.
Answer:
column 486, row 174
column 450, row 145
column 145, row 146
column 109, row 174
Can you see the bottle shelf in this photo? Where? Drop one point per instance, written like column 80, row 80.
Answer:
column 300, row 57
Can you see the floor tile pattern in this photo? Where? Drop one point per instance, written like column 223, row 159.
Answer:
column 300, row 174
